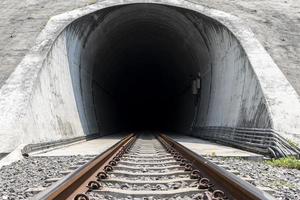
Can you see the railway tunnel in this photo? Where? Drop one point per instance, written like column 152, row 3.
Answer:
column 144, row 62
column 154, row 67
column 146, row 66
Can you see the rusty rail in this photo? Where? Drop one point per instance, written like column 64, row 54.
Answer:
column 216, row 177
column 214, row 181
column 85, row 178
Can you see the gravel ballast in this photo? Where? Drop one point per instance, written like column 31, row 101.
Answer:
column 18, row 177
column 285, row 183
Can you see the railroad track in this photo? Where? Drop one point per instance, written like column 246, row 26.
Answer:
column 149, row 167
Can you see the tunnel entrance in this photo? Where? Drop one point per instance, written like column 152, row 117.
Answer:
column 150, row 69
column 126, row 66
column 144, row 60
column 157, row 67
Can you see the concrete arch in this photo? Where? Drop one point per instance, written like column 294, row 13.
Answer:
column 83, row 76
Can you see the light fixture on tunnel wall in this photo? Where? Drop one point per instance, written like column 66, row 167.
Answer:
column 198, row 81
column 196, row 84
column 194, row 87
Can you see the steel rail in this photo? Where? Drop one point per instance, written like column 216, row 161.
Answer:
column 214, row 181
column 233, row 186
column 76, row 183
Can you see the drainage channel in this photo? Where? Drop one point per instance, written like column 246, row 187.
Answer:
column 151, row 167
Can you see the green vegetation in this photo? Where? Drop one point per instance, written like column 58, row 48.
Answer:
column 287, row 162
column 293, row 144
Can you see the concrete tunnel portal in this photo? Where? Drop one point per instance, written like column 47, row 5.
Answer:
column 141, row 62
column 169, row 66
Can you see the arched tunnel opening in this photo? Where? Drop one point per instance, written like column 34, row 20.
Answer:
column 144, row 66
column 157, row 67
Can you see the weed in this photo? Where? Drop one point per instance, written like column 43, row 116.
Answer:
column 293, row 144
column 287, row 162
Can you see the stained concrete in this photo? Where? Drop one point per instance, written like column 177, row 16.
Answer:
column 274, row 22
column 207, row 148
column 53, row 94
column 13, row 156
column 20, row 24
column 91, row 147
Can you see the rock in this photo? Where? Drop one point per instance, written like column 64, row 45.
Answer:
column 4, row 197
column 32, row 172
column 283, row 183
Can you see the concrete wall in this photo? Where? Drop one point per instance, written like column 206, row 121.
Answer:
column 50, row 95
column 231, row 95
column 51, row 112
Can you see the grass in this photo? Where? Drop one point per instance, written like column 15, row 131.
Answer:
column 287, row 162
column 293, row 144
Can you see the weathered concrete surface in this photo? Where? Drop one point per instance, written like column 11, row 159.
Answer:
column 48, row 98
column 91, row 147
column 204, row 147
column 20, row 24
column 13, row 156
column 274, row 22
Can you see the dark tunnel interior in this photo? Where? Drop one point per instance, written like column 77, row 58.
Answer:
column 145, row 59
column 153, row 72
